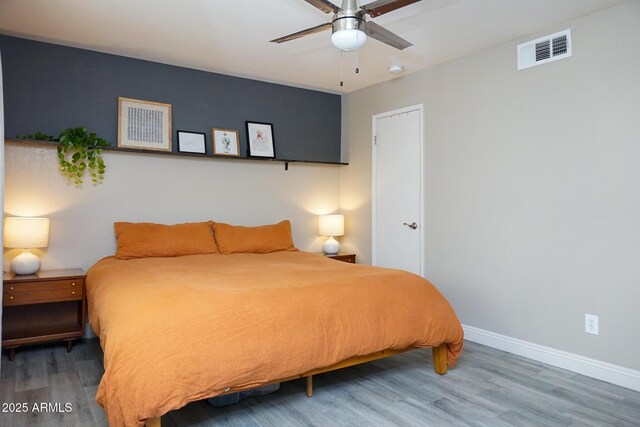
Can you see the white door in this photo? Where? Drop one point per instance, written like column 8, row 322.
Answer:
column 397, row 190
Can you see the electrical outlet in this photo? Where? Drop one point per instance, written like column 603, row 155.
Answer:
column 591, row 324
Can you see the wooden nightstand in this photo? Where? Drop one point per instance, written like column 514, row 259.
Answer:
column 46, row 306
column 351, row 258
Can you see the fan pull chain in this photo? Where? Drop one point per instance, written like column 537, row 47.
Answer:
column 341, row 80
column 357, row 54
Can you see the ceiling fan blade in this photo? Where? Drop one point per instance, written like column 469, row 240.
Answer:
column 381, row 7
column 303, row 33
column 385, row 36
column 324, row 5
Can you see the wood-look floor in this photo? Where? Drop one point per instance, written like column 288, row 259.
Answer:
column 488, row 388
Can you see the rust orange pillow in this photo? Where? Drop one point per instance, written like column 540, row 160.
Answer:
column 256, row 240
column 145, row 239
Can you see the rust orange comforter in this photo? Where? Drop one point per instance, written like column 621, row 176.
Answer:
column 176, row 330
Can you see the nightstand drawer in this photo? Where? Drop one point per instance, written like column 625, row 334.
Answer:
column 42, row 292
column 351, row 258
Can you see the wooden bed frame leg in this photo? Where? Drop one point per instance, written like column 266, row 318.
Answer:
column 309, row 385
column 153, row 422
column 440, row 359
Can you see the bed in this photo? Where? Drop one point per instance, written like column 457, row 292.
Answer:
column 185, row 328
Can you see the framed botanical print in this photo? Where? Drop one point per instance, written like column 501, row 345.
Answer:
column 226, row 142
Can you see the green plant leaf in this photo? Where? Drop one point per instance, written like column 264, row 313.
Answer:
column 82, row 147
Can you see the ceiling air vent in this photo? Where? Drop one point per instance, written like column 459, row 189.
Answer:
column 545, row 49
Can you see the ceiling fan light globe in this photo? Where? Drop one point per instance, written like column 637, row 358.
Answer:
column 349, row 40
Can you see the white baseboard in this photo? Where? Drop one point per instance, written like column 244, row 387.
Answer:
column 613, row 374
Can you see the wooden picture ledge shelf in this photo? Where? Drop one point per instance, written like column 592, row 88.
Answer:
column 54, row 144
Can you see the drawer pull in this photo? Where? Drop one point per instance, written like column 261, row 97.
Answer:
column 73, row 292
column 73, row 284
column 11, row 288
column 11, row 297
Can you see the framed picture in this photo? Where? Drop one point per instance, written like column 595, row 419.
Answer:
column 260, row 139
column 192, row 142
column 144, row 125
column 226, row 142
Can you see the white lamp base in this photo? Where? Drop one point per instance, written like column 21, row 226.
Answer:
column 25, row 263
column 331, row 246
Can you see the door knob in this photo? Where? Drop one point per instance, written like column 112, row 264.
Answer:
column 412, row 226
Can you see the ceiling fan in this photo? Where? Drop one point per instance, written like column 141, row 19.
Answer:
column 349, row 26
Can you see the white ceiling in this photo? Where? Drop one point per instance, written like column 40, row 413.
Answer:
column 232, row 37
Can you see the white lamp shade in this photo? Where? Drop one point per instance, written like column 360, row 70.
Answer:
column 349, row 40
column 26, row 233
column 331, row 225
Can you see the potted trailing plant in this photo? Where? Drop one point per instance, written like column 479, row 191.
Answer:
column 79, row 150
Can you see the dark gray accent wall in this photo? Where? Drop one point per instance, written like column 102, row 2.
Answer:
column 48, row 88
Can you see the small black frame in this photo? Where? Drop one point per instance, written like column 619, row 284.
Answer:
column 192, row 142
column 260, row 140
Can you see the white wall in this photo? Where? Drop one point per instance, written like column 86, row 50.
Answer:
column 532, row 186
column 1, row 177
column 161, row 189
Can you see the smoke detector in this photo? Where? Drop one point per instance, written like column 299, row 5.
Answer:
column 396, row 68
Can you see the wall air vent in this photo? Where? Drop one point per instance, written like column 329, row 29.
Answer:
column 545, row 49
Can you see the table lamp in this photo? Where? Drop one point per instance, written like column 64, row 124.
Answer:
column 26, row 233
column 331, row 226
